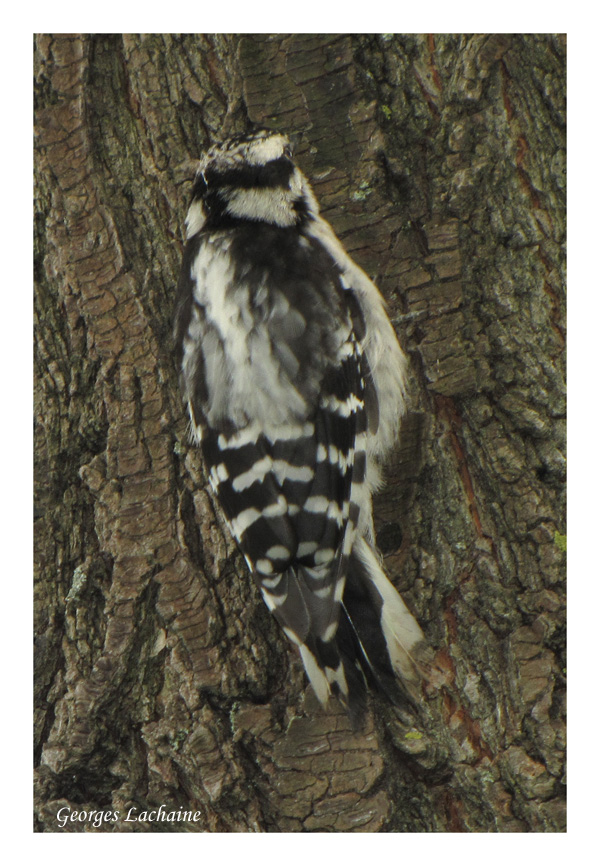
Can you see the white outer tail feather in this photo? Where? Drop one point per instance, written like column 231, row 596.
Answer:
column 317, row 678
column 400, row 629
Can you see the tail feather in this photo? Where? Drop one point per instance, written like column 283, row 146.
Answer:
column 377, row 642
column 334, row 669
column 400, row 630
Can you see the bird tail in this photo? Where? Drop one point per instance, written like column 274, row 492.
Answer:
column 378, row 642
column 388, row 639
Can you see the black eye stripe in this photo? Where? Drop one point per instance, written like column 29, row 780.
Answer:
column 275, row 173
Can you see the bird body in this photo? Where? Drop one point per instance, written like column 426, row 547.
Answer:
column 295, row 385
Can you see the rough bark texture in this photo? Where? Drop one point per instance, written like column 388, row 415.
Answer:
column 160, row 676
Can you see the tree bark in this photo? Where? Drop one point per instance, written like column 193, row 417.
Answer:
column 160, row 676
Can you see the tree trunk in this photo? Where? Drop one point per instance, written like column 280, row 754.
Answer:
column 161, row 678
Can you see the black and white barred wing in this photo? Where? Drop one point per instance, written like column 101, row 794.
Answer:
column 287, row 498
